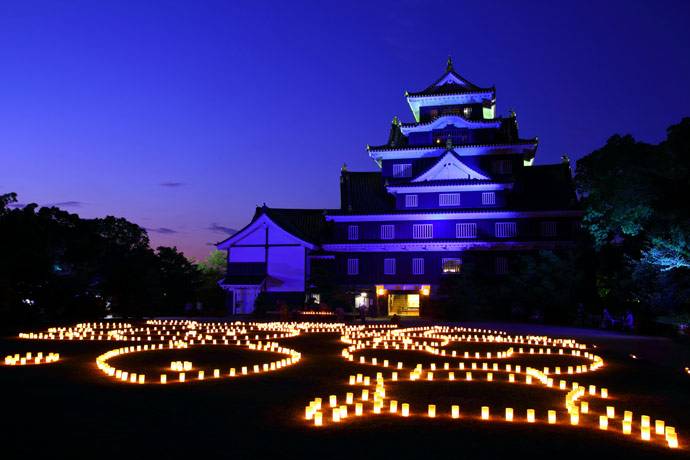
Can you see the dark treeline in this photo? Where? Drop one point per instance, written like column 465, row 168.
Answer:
column 56, row 265
column 633, row 253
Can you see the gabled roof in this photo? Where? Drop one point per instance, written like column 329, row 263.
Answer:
column 364, row 191
column 307, row 225
column 450, row 82
column 449, row 167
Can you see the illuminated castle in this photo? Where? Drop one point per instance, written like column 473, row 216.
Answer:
column 455, row 186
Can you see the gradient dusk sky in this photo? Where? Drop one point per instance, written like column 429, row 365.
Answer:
column 182, row 116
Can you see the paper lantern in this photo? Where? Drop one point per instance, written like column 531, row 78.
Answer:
column 431, row 410
column 610, row 412
column 627, row 427
column 405, row 410
column 365, row 395
column 530, row 415
column 485, row 412
column 318, row 418
column 552, row 416
column 358, row 409
column 164, row 379
column 343, row 412
column 603, row 422
column 659, row 427
column 332, row 400
column 455, row 411
column 604, row 393
column 584, row 407
column 349, row 398
column 393, row 406
column 574, row 418
column 645, row 433
column 509, row 414
column 627, row 415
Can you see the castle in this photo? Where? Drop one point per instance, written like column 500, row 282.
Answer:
column 457, row 185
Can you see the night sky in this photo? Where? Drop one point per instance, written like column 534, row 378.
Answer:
column 182, row 116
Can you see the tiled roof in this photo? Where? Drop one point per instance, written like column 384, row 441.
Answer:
column 377, row 148
column 450, row 182
column 451, row 88
column 364, row 191
column 306, row 224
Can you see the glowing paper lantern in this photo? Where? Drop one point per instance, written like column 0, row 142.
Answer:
column 530, row 415
column 603, row 422
column 358, row 409
column 552, row 416
column 485, row 412
column 393, row 406
column 405, row 410
column 584, row 407
column 455, row 411
column 509, row 414
column 659, row 427
column 318, row 418
column 610, row 412
column 431, row 410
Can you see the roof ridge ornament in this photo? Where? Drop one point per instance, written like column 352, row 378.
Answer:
column 343, row 168
column 449, row 64
column 449, row 143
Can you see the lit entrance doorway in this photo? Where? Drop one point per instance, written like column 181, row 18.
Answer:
column 403, row 304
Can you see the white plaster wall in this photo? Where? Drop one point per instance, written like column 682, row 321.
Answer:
column 286, row 268
column 247, row 254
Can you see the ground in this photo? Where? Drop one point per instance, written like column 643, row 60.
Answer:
column 72, row 407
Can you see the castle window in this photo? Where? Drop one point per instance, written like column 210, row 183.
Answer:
column 501, row 265
column 418, row 266
column 465, row 230
column 402, row 170
column 488, row 198
column 410, row 201
column 505, row 229
column 451, row 265
column 387, row 232
column 422, row 231
column 353, row 232
column 449, row 199
column 503, row 166
column 353, row 266
column 389, row 266
column 467, row 111
column 548, row 229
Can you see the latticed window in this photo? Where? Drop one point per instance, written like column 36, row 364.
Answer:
column 387, row 232
column 410, row 201
column 548, row 229
column 353, row 232
column 466, row 230
column 451, row 265
column 449, row 199
column 501, row 265
column 402, row 170
column 422, row 231
column 352, row 266
column 389, row 266
column 488, row 198
column 505, row 229
column 418, row 266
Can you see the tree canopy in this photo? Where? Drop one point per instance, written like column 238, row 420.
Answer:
column 57, row 265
